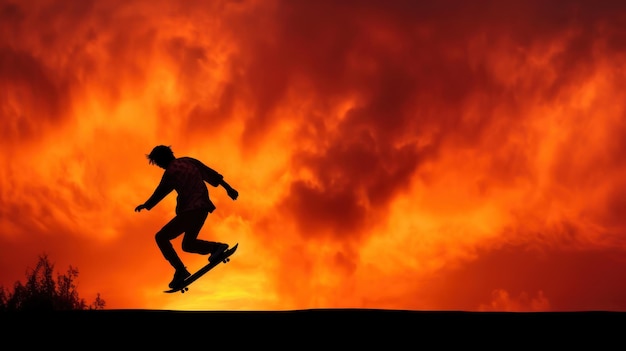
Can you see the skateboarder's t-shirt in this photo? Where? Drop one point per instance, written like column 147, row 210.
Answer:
column 186, row 175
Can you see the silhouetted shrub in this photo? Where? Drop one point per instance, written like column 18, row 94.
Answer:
column 42, row 293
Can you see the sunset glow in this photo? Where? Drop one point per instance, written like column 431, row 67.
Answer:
column 434, row 155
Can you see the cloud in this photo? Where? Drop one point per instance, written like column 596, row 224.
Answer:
column 354, row 131
column 503, row 302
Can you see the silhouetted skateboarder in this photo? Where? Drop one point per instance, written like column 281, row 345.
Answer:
column 186, row 175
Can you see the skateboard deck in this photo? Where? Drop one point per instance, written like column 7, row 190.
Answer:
column 202, row 271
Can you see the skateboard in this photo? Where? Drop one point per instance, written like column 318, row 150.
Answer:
column 202, row 271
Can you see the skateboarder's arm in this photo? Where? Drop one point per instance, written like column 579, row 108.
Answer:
column 209, row 175
column 215, row 179
column 229, row 190
column 162, row 190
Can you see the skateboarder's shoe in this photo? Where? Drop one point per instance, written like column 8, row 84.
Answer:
column 179, row 276
column 218, row 251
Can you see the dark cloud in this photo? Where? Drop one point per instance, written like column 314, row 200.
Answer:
column 33, row 99
column 585, row 279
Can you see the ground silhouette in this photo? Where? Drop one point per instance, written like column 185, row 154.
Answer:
column 328, row 328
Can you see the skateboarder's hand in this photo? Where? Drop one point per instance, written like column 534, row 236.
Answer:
column 232, row 193
column 140, row 207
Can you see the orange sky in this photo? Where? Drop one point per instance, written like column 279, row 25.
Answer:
column 446, row 155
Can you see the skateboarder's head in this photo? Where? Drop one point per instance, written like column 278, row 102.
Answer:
column 161, row 156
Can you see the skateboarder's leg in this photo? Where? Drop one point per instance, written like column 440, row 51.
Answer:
column 195, row 220
column 171, row 230
column 163, row 238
